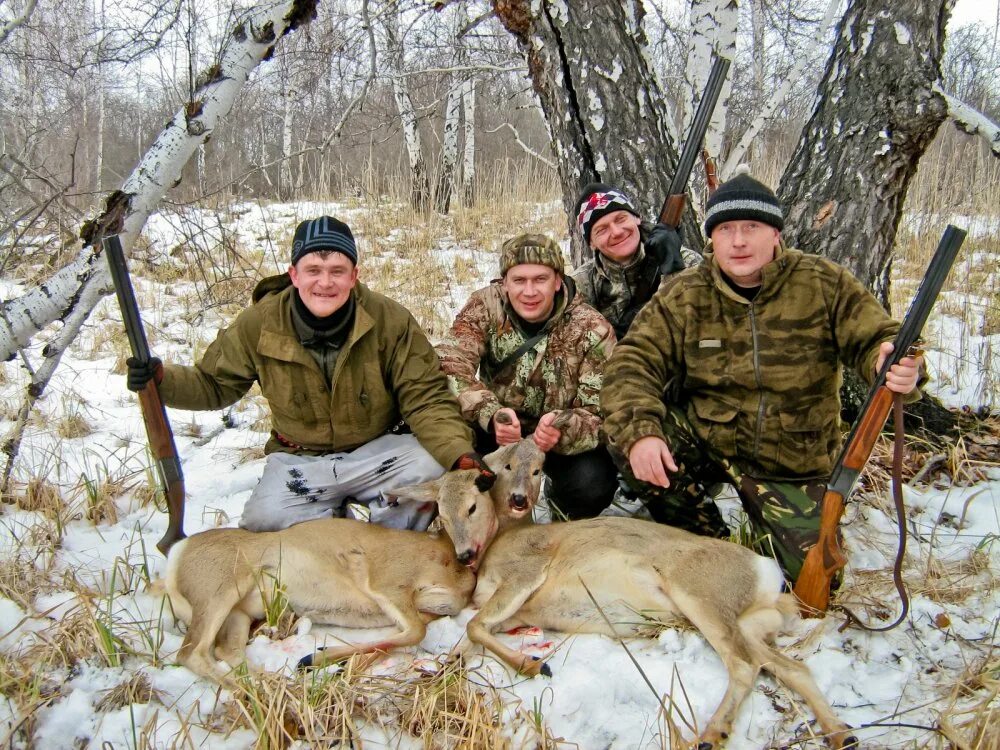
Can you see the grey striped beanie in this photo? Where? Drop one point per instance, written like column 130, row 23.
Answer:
column 325, row 233
column 743, row 199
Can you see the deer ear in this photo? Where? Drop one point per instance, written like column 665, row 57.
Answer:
column 499, row 457
column 485, row 482
column 426, row 492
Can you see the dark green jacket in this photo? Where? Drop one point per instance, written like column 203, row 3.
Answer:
column 760, row 382
column 387, row 370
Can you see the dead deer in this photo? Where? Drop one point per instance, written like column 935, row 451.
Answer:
column 540, row 575
column 334, row 571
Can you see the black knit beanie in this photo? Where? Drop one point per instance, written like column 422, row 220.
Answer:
column 596, row 200
column 324, row 233
column 743, row 199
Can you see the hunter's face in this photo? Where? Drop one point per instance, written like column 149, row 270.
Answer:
column 743, row 248
column 531, row 289
column 324, row 281
column 616, row 236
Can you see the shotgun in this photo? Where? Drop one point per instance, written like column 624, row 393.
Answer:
column 825, row 558
column 673, row 206
column 154, row 415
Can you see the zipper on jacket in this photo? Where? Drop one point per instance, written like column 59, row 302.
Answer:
column 760, row 386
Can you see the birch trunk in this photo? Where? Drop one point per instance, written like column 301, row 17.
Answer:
column 449, row 146
column 877, row 110
column 420, row 188
column 469, row 146
column 86, row 279
column 604, row 109
column 713, row 29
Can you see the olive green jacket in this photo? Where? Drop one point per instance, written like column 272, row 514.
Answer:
column 386, row 371
column 759, row 381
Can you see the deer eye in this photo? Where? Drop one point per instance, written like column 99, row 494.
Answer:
column 536, row 472
column 472, row 509
column 507, row 467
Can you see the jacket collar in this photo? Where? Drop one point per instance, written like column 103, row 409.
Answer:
column 773, row 274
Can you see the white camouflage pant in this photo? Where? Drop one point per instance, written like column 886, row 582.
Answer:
column 295, row 488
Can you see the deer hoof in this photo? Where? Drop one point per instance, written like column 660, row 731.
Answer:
column 850, row 741
column 546, row 670
column 307, row 661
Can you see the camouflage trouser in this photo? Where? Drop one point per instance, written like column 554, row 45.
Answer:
column 784, row 516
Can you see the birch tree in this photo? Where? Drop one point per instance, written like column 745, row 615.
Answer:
column 420, row 189
column 713, row 29
column 877, row 109
column 75, row 289
column 452, row 117
column 469, row 141
column 604, row 109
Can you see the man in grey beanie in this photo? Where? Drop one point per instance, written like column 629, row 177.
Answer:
column 347, row 373
column 731, row 374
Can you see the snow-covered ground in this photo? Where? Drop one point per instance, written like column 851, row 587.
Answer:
column 893, row 686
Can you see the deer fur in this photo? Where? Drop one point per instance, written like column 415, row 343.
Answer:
column 540, row 576
column 335, row 571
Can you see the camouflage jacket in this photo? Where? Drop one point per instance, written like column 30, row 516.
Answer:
column 759, row 381
column 562, row 371
column 387, row 370
column 619, row 291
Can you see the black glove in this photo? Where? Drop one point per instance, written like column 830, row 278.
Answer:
column 140, row 374
column 664, row 244
column 473, row 460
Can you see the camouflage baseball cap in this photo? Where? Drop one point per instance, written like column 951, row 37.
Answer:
column 530, row 248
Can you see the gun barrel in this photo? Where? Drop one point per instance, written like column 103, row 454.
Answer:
column 126, row 298
column 702, row 117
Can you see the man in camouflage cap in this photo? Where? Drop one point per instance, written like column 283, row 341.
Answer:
column 630, row 256
column 528, row 347
column 747, row 348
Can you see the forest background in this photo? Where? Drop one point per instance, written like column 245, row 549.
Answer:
column 439, row 129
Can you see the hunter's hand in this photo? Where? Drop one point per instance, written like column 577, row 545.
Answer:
column 140, row 374
column 650, row 459
column 506, row 426
column 473, row 460
column 902, row 376
column 546, row 436
column 664, row 244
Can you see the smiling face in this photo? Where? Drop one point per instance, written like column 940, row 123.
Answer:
column 324, row 281
column 616, row 236
column 531, row 289
column 743, row 248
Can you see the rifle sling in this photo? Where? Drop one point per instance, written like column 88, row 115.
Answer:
column 897, row 497
column 493, row 372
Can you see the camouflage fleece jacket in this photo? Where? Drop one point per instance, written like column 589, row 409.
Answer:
column 760, row 381
column 619, row 291
column 562, row 371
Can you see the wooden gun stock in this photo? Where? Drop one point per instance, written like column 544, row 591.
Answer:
column 826, row 558
column 673, row 210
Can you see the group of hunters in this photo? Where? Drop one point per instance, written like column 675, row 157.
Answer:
column 680, row 371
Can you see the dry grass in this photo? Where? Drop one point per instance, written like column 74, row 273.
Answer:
column 38, row 495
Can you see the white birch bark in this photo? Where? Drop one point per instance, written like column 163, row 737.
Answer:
column 449, row 145
column 971, row 121
column 469, row 156
column 84, row 280
column 705, row 23
column 419, row 182
column 286, row 187
column 739, row 152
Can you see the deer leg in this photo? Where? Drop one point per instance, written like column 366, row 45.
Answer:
column 729, row 643
column 230, row 643
column 797, row 676
column 401, row 609
column 196, row 652
column 508, row 598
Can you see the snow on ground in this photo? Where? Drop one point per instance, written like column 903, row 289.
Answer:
column 596, row 698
